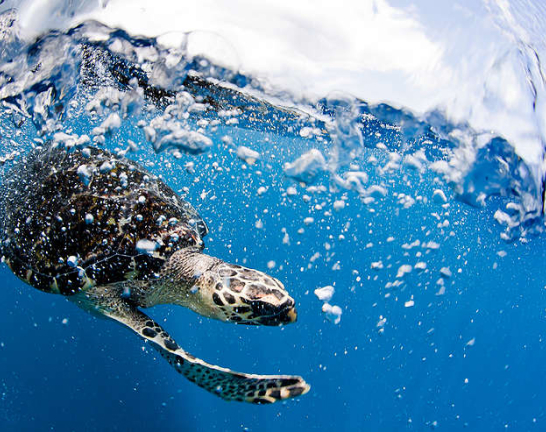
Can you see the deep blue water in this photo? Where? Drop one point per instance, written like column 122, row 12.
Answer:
column 468, row 353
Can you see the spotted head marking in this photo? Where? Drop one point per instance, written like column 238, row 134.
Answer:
column 228, row 292
column 249, row 296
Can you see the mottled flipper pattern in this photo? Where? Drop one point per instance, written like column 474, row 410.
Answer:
column 229, row 385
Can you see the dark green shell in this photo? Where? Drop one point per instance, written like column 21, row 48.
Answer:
column 73, row 219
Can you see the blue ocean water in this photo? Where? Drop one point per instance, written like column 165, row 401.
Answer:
column 442, row 298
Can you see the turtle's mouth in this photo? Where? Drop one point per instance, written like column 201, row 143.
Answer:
column 287, row 316
column 264, row 313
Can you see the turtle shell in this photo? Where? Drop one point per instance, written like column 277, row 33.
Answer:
column 74, row 219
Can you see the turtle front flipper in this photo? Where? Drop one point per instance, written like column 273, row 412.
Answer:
column 229, row 385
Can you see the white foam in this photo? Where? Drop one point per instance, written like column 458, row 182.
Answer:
column 146, row 246
column 445, row 272
column 84, row 173
column 189, row 141
column 404, row 270
column 306, row 167
column 377, row 265
column 325, row 293
column 248, row 155
column 333, row 313
column 439, row 196
column 308, row 220
column 291, row 191
column 338, row 205
column 409, row 303
column 420, row 266
column 377, row 51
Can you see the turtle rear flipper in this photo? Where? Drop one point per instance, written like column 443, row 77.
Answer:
column 227, row 384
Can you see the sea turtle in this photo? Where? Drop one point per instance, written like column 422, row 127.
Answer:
column 113, row 238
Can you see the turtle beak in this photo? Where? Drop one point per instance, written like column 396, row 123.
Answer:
column 289, row 316
column 275, row 316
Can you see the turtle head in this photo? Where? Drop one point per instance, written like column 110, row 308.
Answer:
column 249, row 296
column 230, row 292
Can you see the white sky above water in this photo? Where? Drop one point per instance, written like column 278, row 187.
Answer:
column 419, row 55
